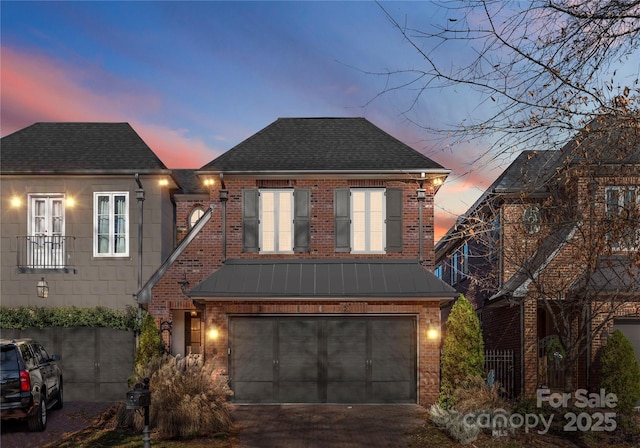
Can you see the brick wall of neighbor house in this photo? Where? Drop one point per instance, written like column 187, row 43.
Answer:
column 217, row 314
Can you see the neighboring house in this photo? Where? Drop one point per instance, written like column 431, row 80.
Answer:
column 70, row 214
column 304, row 267
column 556, row 227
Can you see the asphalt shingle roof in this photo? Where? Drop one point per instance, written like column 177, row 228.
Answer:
column 321, row 144
column 188, row 182
column 77, row 147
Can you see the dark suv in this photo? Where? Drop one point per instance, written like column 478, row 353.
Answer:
column 30, row 382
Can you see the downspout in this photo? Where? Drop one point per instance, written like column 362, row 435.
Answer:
column 422, row 194
column 140, row 198
column 224, row 194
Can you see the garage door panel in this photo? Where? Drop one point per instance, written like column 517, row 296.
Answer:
column 299, row 392
column 347, row 350
column 298, row 350
column 392, row 350
column 252, row 354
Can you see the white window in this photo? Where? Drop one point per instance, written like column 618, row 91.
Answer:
column 622, row 205
column 45, row 243
column 111, row 224
column 276, row 221
column 368, row 229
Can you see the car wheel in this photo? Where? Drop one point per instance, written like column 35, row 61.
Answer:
column 38, row 421
column 59, row 401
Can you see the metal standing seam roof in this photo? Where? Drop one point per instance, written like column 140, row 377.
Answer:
column 327, row 279
column 321, row 144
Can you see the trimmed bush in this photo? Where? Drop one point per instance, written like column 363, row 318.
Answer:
column 620, row 372
column 462, row 350
column 150, row 344
column 68, row 316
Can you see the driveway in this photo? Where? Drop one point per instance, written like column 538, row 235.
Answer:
column 311, row 426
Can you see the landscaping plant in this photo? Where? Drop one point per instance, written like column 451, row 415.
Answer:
column 620, row 372
column 462, row 350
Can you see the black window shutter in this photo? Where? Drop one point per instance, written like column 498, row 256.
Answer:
column 302, row 214
column 250, row 220
column 342, row 220
column 394, row 219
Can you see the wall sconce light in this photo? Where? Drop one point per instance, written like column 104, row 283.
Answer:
column 184, row 284
column 69, row 202
column 213, row 333
column 163, row 182
column 208, row 182
column 42, row 288
column 437, row 181
column 15, row 202
column 433, row 332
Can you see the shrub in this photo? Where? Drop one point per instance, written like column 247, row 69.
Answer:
column 474, row 395
column 150, row 344
column 453, row 423
column 68, row 316
column 189, row 398
column 462, row 350
column 620, row 372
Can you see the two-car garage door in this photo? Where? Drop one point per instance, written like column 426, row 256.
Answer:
column 315, row 359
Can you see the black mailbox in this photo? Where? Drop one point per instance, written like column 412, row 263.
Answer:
column 139, row 397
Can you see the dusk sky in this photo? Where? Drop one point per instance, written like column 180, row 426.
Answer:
column 196, row 78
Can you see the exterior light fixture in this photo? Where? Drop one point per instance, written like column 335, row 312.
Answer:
column 437, row 181
column 213, row 333
column 42, row 288
column 163, row 182
column 208, row 182
column 15, row 202
column 433, row 333
column 184, row 284
column 69, row 202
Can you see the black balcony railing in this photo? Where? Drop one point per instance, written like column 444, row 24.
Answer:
column 45, row 252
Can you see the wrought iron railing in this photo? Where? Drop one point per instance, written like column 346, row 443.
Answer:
column 45, row 252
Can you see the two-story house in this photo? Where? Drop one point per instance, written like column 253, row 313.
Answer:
column 550, row 250
column 70, row 228
column 304, row 267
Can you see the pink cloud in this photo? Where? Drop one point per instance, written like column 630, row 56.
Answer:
column 36, row 88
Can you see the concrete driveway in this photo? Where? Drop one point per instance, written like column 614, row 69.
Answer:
column 311, row 426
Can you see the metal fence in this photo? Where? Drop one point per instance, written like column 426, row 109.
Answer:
column 499, row 365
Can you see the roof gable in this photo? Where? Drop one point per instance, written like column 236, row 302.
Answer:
column 77, row 147
column 321, row 144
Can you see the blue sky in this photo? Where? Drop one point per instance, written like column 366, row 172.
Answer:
column 196, row 78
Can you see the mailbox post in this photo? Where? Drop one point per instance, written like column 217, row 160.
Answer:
column 140, row 397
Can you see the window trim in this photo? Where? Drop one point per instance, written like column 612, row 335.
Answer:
column 277, row 217
column 196, row 209
column 368, row 220
column 111, row 253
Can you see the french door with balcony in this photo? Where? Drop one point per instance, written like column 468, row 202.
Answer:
column 45, row 242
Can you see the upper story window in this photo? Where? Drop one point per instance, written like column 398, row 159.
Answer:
column 45, row 242
column 622, row 206
column 439, row 271
column 368, row 232
column 368, row 220
column 460, row 264
column 111, row 224
column 275, row 221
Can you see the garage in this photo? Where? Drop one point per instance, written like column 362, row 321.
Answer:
column 323, row 359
